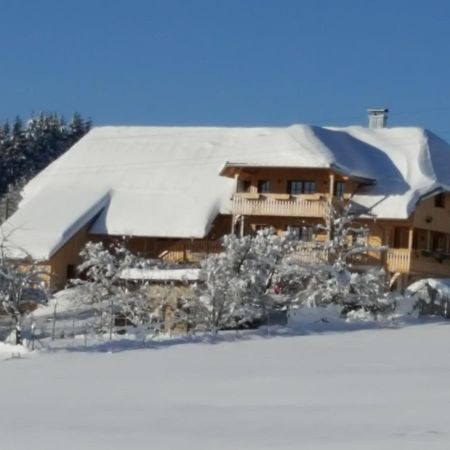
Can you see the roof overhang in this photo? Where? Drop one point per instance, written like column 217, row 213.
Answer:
column 230, row 169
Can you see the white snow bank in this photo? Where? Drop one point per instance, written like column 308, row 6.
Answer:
column 308, row 316
column 368, row 390
column 11, row 351
column 320, row 317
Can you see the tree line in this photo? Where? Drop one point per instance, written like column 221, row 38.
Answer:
column 27, row 147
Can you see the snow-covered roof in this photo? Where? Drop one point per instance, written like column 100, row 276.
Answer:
column 161, row 274
column 164, row 181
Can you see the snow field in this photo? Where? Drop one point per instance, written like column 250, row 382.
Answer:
column 366, row 389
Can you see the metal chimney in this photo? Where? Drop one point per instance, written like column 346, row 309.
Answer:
column 377, row 117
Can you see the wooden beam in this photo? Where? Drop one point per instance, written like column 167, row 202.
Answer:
column 410, row 238
column 330, row 202
column 331, row 190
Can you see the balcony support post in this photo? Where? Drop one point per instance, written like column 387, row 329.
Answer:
column 331, row 190
column 410, row 238
column 410, row 246
column 330, row 205
column 241, row 226
column 234, row 216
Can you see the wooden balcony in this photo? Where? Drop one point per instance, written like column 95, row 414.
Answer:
column 279, row 205
column 395, row 260
column 190, row 251
column 401, row 260
column 418, row 261
column 398, row 260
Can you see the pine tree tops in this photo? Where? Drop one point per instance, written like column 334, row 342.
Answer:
column 27, row 148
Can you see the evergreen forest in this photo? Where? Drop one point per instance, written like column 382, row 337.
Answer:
column 27, row 147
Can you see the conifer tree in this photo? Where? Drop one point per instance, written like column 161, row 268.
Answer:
column 27, row 148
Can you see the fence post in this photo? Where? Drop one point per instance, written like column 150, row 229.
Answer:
column 111, row 320
column 54, row 321
column 73, row 330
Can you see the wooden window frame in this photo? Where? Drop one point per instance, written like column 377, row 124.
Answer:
column 339, row 188
column 305, row 187
column 263, row 186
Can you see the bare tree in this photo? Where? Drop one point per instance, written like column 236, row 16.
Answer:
column 23, row 283
column 105, row 289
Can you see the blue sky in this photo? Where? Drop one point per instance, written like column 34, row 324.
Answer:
column 227, row 62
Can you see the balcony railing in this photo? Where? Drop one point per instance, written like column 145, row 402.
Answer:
column 395, row 260
column 398, row 260
column 302, row 206
column 190, row 251
column 311, row 255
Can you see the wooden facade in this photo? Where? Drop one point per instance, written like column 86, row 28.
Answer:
column 282, row 198
column 417, row 247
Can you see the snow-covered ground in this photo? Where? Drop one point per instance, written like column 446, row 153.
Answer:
column 365, row 389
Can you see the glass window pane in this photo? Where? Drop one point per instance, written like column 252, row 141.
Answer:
column 339, row 188
column 295, row 187
column 263, row 186
column 309, row 187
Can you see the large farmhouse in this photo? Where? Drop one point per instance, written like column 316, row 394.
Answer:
column 176, row 190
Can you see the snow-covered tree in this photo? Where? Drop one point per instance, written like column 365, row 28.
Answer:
column 101, row 286
column 332, row 278
column 105, row 289
column 235, row 283
column 22, row 284
column 429, row 296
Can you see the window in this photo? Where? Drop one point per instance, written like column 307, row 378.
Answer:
column 306, row 234
column 309, row 187
column 438, row 242
column 303, row 233
column 339, row 188
column 296, row 187
column 439, row 201
column 244, row 185
column 263, row 186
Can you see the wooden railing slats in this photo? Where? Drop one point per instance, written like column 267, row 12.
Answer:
column 273, row 207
